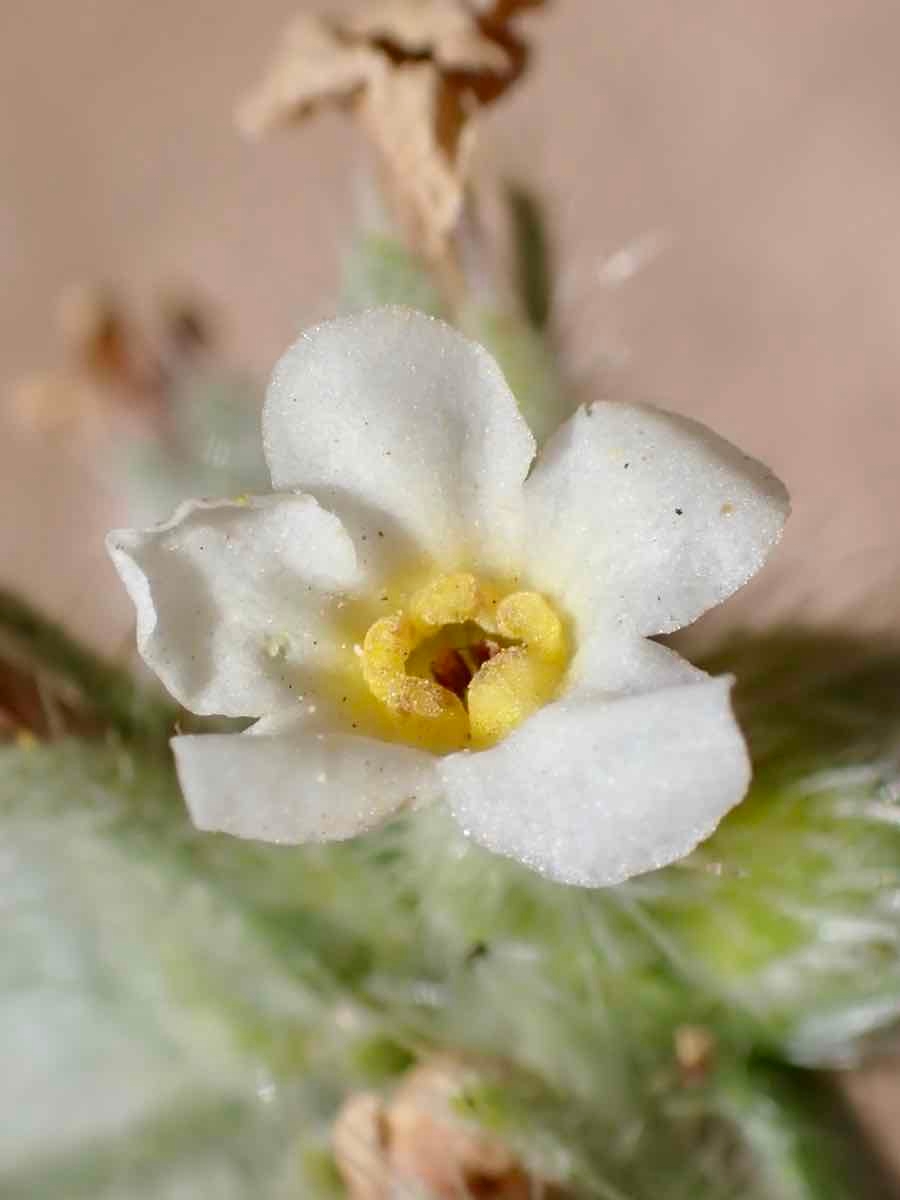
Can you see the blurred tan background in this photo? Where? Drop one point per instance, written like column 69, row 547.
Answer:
column 749, row 152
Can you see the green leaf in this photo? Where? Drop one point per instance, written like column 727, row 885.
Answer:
column 212, row 447
column 378, row 269
column 529, row 363
column 534, row 275
column 185, row 1011
column 789, row 913
column 156, row 1039
column 806, row 1146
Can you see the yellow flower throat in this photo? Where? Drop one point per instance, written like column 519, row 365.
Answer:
column 464, row 664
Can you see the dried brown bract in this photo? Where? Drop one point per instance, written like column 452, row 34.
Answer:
column 314, row 66
column 37, row 709
column 108, row 363
column 93, row 330
column 359, row 1138
column 49, row 403
column 695, row 1053
column 95, row 344
column 418, row 1141
column 443, row 30
column 501, row 10
column 419, row 125
column 415, row 73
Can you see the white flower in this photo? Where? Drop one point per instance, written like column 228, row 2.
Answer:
column 412, row 538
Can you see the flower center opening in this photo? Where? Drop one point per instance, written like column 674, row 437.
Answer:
column 464, row 663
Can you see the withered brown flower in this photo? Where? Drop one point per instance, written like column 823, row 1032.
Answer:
column 419, row 1141
column 414, row 72
column 109, row 363
column 94, row 341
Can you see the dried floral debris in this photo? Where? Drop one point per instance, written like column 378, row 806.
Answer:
column 419, row 1140
column 442, row 30
column 414, row 72
column 109, row 362
column 314, row 66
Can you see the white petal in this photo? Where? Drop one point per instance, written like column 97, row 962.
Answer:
column 408, row 431
column 236, row 601
column 591, row 790
column 285, row 780
column 645, row 517
column 610, row 665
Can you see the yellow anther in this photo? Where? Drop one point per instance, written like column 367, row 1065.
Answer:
column 427, row 712
column 507, row 689
column 418, row 697
column 448, row 600
column 441, row 617
column 527, row 617
column 385, row 650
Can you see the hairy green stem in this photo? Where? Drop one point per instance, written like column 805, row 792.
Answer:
column 805, row 1143
column 532, row 251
